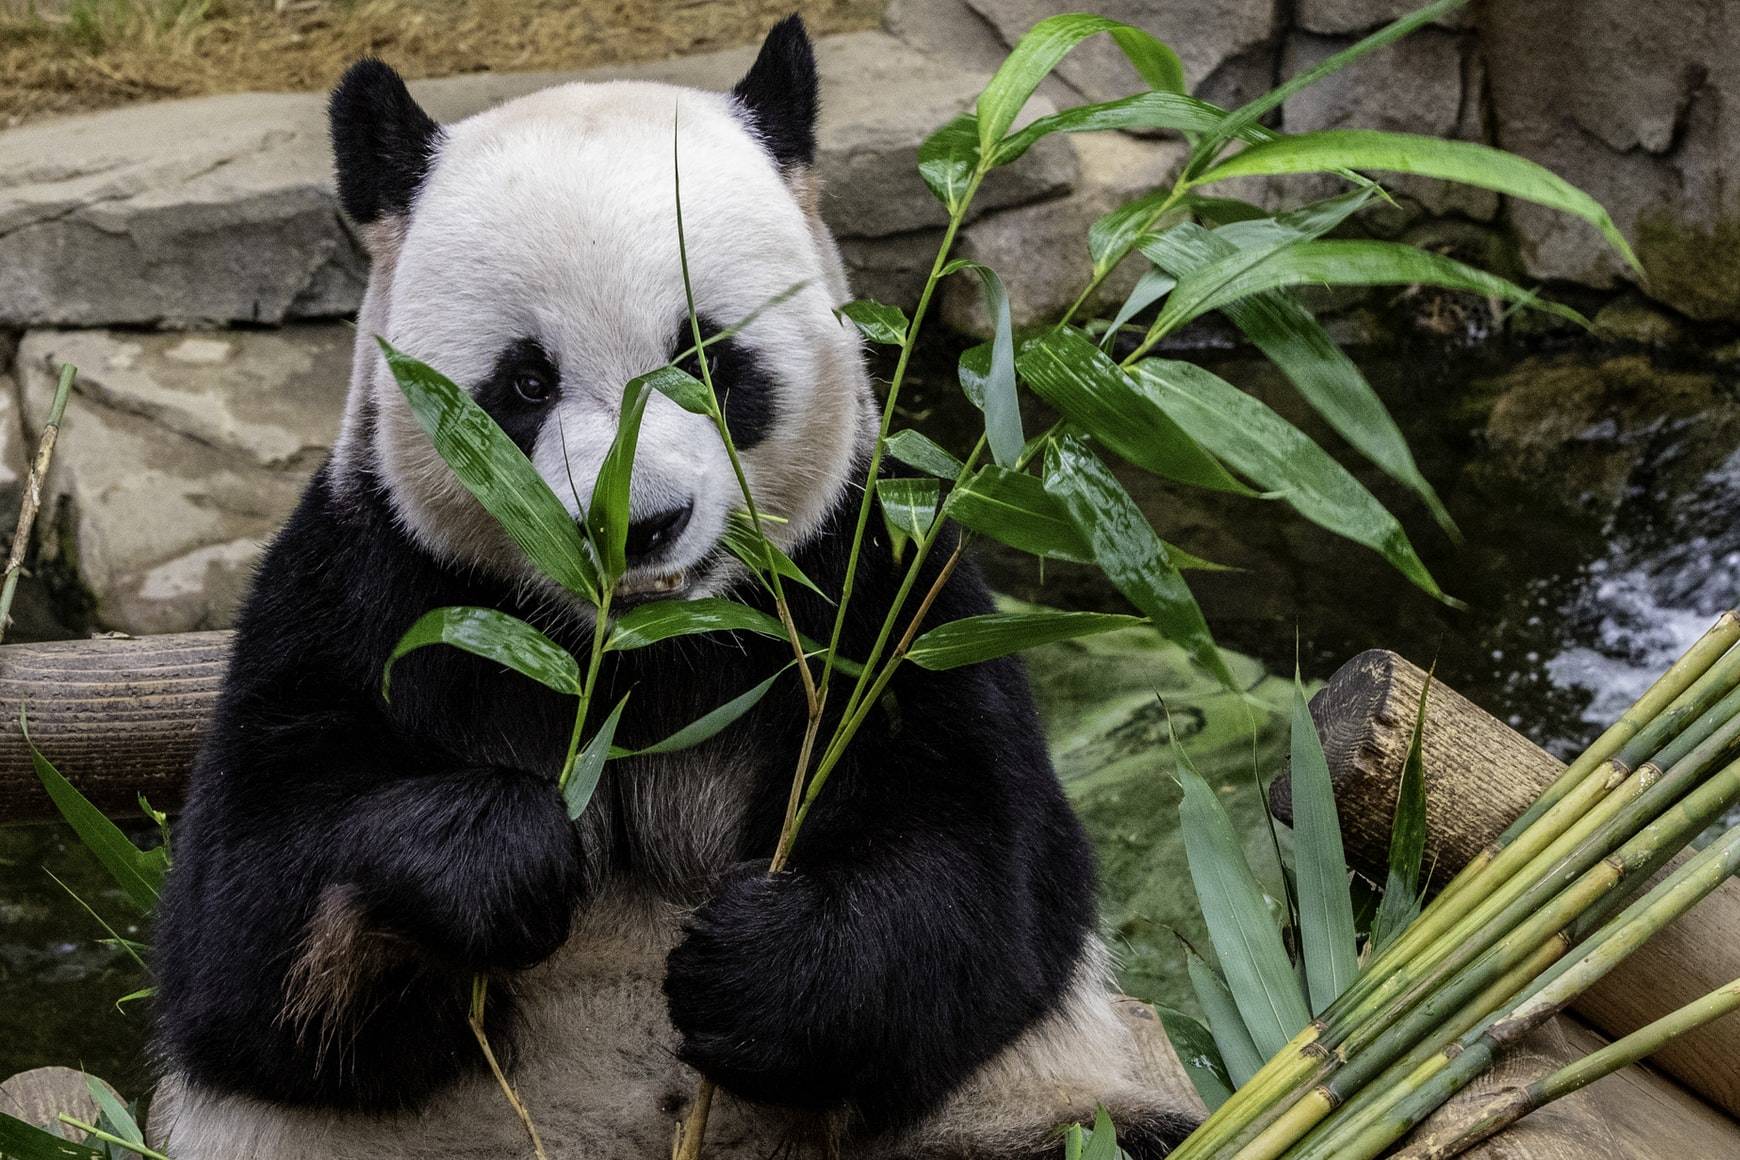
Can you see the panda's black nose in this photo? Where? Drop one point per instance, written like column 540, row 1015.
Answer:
column 649, row 538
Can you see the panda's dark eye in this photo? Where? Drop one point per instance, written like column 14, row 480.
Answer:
column 532, row 386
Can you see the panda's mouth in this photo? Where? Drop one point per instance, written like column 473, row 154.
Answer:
column 653, row 585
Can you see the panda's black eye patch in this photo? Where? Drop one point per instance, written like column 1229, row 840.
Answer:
column 744, row 387
column 519, row 390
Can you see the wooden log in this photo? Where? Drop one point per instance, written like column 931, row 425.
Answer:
column 1480, row 774
column 118, row 716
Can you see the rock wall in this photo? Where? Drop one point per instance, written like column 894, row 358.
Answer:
column 182, row 451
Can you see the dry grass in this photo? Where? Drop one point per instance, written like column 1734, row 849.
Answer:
column 85, row 54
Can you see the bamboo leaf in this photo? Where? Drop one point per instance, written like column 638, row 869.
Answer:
column 876, row 322
column 1401, row 898
column 710, row 724
column 988, row 376
column 1326, row 931
column 1319, row 370
column 1263, row 240
column 133, row 950
column 743, row 540
column 948, row 158
column 139, row 873
column 1102, row 1143
column 919, row 451
column 493, row 635
column 1361, row 263
column 1466, row 162
column 1112, row 235
column 1250, row 113
column 1231, row 1039
column 1149, row 289
column 607, row 516
column 909, row 503
column 1246, row 940
column 504, row 481
column 1133, row 558
column 681, row 388
column 119, row 1121
column 140, row 995
column 1047, row 43
column 22, row 1141
column 1072, row 374
column 1196, row 1050
column 1141, row 112
column 1242, row 430
column 582, row 780
column 995, row 634
column 663, row 619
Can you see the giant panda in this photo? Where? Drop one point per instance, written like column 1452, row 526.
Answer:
column 924, row 982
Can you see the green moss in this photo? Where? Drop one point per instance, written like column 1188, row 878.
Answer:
column 1696, row 271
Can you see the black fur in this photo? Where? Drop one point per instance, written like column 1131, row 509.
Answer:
column 500, row 396
column 936, row 903
column 781, row 93
column 383, row 143
column 744, row 387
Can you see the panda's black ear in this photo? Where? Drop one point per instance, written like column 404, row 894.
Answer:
column 780, row 93
column 382, row 142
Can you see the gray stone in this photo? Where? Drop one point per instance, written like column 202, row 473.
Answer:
column 1343, row 16
column 1427, row 83
column 1633, row 103
column 1040, row 251
column 1224, row 44
column 890, row 269
column 221, row 208
column 180, row 454
column 14, row 458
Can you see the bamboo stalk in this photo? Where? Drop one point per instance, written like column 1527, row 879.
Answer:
column 32, row 500
column 1514, row 1103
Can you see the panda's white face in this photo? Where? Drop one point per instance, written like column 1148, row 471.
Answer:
column 538, row 266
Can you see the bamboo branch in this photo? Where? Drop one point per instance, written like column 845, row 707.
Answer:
column 32, row 500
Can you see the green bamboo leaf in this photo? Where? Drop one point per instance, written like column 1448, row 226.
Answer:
column 948, row 158
column 493, row 635
column 22, row 1141
column 707, row 726
column 504, row 481
column 909, row 503
column 1250, row 113
column 1047, row 43
column 1068, row 371
column 1361, row 263
column 1401, row 898
column 133, row 950
column 663, row 619
column 1331, row 949
column 1246, row 940
column 1140, row 112
column 119, row 1121
column 582, row 780
column 1231, row 1039
column 876, row 322
column 681, row 388
column 1133, row 558
column 1102, row 1142
column 1320, row 370
column 919, row 451
column 997, row 634
column 138, row 996
column 1264, row 240
column 139, row 873
column 1112, row 235
column 1242, row 430
column 1466, row 162
column 1149, row 289
column 1196, row 1050
column 742, row 540
column 988, row 376
column 1072, row 1142
column 607, row 515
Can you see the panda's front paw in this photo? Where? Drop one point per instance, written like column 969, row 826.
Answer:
column 744, row 988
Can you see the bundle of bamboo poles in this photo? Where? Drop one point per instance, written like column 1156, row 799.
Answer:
column 1549, row 908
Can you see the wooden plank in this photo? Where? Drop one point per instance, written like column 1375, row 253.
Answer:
column 1480, row 774
column 118, row 716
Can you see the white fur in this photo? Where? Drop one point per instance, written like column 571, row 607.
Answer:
column 554, row 217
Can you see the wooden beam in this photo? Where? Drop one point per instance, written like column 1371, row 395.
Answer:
column 118, row 716
column 1480, row 774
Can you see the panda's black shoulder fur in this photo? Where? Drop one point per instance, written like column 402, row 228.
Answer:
column 939, row 896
